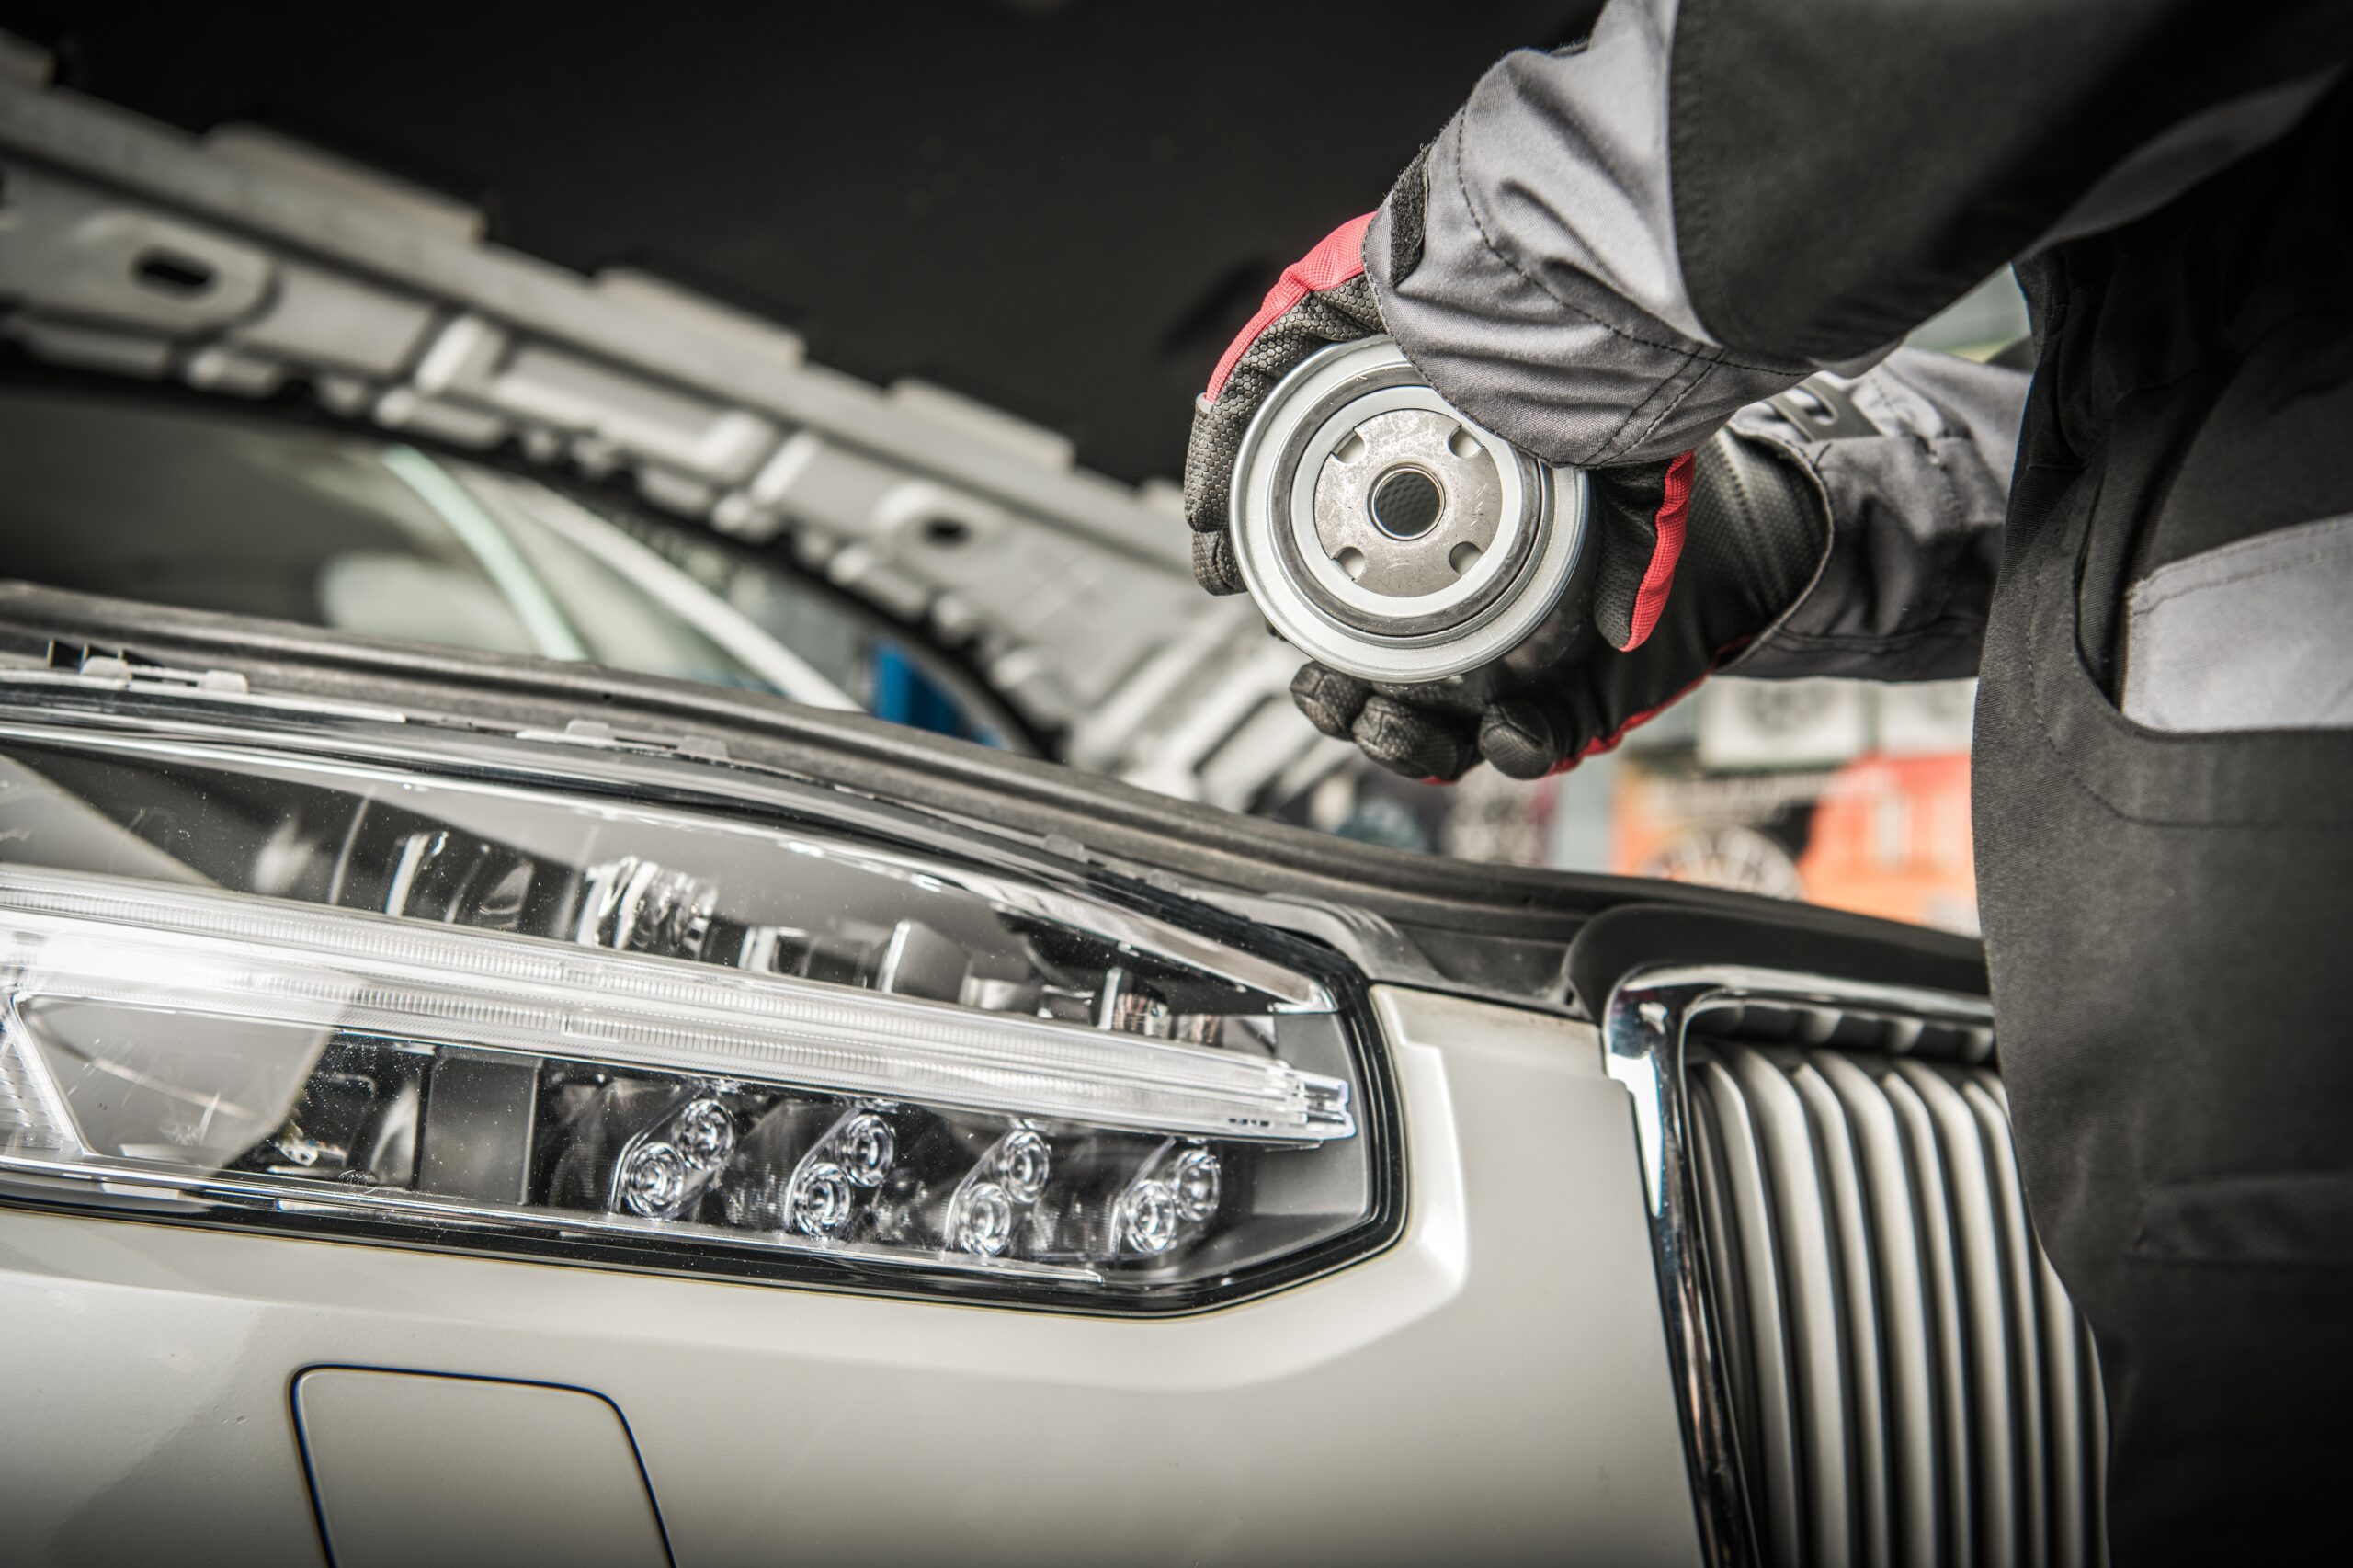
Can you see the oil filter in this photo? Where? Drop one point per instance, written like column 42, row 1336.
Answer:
column 1385, row 534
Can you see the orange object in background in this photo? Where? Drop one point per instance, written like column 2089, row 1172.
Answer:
column 1891, row 837
column 1885, row 835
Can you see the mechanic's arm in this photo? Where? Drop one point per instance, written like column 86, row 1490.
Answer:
column 1850, row 527
column 1615, row 248
column 1613, row 245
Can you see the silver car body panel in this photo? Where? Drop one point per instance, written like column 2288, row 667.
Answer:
column 1499, row 1377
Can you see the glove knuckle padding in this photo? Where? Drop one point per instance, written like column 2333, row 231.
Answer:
column 1214, row 567
column 1412, row 740
column 1330, row 699
column 1339, row 315
column 1519, row 738
column 1389, row 727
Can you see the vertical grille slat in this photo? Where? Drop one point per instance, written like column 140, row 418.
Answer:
column 1857, row 1273
column 2096, row 1461
column 1815, row 1320
column 1723, row 1242
column 2072, row 1469
column 1913, row 1469
column 1953, row 1445
column 1777, row 1472
column 1984, row 1297
column 2023, row 1274
column 1910, row 1381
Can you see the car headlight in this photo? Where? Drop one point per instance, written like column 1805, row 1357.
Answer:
column 401, row 985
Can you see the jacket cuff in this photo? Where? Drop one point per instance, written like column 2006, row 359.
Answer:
column 1915, row 499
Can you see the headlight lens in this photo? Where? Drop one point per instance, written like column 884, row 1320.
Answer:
column 626, row 1011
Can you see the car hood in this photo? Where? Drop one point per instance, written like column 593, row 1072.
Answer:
column 1503, row 933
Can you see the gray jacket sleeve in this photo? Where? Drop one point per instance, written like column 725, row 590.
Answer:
column 1614, row 244
column 1616, row 248
column 1543, row 294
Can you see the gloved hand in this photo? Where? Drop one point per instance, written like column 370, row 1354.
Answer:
column 1758, row 537
column 1752, row 538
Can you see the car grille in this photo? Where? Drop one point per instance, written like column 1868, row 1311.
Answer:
column 1909, row 1383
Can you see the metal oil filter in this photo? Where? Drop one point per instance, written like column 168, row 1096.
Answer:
column 1386, row 535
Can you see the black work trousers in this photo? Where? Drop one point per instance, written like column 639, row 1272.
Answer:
column 2169, row 915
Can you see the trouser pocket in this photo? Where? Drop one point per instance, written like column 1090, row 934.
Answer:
column 2248, row 636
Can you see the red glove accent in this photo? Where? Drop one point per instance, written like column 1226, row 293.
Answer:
column 1340, row 258
column 1674, row 505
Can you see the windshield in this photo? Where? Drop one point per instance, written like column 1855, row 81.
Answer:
column 203, row 509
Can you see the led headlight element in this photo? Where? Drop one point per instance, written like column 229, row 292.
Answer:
column 218, row 954
column 869, row 1148
column 408, row 1002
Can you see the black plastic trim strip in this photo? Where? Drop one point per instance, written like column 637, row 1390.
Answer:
column 1113, row 823
column 1798, row 939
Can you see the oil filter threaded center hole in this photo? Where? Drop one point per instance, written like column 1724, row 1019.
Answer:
column 1405, row 502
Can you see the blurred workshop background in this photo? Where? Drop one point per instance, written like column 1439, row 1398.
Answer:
column 1071, row 288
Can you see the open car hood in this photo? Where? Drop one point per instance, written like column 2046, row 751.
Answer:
column 1503, row 933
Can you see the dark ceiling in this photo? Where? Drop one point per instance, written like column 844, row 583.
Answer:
column 1063, row 209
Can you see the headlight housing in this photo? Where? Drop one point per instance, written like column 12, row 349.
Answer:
column 402, row 984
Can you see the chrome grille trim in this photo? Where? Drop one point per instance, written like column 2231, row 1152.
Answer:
column 1874, row 1361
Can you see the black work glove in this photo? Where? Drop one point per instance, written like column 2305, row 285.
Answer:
column 1737, row 548
column 1322, row 299
column 1737, row 527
